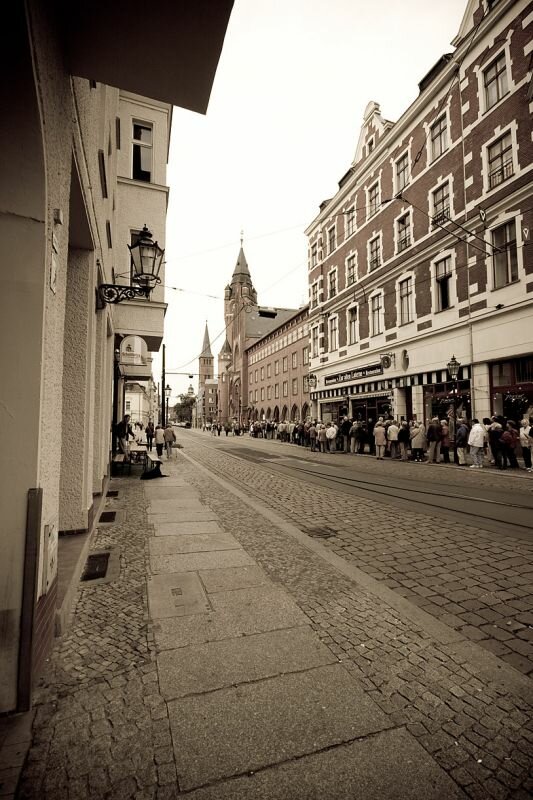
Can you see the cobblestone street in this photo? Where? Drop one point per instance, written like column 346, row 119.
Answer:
column 110, row 722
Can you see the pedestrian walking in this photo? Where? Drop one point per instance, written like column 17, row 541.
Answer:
column 159, row 436
column 170, row 437
column 149, row 435
column 476, row 442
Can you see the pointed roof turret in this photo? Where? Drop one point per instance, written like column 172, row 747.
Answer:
column 241, row 267
column 206, row 347
column 226, row 348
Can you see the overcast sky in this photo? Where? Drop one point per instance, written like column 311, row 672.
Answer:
column 285, row 113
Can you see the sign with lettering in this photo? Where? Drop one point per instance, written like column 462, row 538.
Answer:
column 354, row 374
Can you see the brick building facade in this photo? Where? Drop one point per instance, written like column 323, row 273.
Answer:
column 423, row 252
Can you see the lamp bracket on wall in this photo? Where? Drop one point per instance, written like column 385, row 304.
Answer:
column 115, row 293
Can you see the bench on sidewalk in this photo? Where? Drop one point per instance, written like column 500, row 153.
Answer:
column 119, row 462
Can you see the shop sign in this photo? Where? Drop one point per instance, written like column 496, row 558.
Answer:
column 354, row 374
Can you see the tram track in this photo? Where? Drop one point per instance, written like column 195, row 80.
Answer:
column 470, row 509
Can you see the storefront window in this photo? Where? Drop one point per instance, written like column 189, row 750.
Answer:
column 502, row 373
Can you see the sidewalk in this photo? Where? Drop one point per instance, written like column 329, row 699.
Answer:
column 227, row 660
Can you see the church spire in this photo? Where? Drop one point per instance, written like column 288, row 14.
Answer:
column 206, row 347
column 241, row 267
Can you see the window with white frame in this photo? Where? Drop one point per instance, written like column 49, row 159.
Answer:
column 373, row 200
column 262, row 373
column 440, row 199
column 294, row 360
column 269, row 370
column 285, row 364
column 314, row 342
column 333, row 333
column 401, row 172
column 276, row 391
column 269, row 392
column 352, row 325
column 255, row 396
column 314, row 295
column 350, row 221
column 276, row 367
column 376, row 314
column 350, row 270
column 500, row 160
column 374, row 253
column 403, row 232
column 331, row 239
column 262, row 392
column 439, row 137
column 505, row 256
column 285, row 388
column 332, row 283
column 495, row 83
column 305, row 384
column 251, row 397
column 305, row 355
column 314, row 255
column 295, row 385
column 443, row 283
column 256, row 376
column 406, row 300
column 142, row 134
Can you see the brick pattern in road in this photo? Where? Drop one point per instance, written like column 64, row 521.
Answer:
column 474, row 580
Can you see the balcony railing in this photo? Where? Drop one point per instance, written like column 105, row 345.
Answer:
column 501, row 174
column 404, row 242
column 440, row 216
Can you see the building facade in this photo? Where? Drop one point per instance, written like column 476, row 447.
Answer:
column 83, row 171
column 206, row 401
column 278, row 372
column 423, row 252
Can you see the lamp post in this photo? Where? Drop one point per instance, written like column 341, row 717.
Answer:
column 168, row 392
column 453, row 368
column 146, row 260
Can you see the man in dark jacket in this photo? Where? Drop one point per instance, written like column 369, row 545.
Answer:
column 434, row 437
column 461, row 441
column 345, row 433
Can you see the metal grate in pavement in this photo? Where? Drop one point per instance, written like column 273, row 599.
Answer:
column 96, row 566
column 107, row 516
column 112, row 493
column 320, row 532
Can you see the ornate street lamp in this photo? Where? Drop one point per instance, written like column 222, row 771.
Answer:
column 453, row 368
column 190, row 390
column 146, row 260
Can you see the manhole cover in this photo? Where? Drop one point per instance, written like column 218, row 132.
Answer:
column 96, row 566
column 112, row 493
column 321, row 532
column 107, row 516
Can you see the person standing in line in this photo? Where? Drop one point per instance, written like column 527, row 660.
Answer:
column 380, row 439
column 331, row 435
column 418, row 441
column 461, row 441
column 445, row 441
column 353, row 436
column 526, row 434
column 312, row 437
column 322, row 439
column 169, row 437
column 392, row 438
column 495, row 431
column 345, row 433
column 510, row 439
column 476, row 442
column 159, row 437
column 403, row 440
column 149, row 430
column 434, row 435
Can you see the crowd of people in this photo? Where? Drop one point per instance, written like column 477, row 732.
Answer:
column 496, row 441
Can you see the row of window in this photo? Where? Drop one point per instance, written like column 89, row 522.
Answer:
column 504, row 260
column 499, row 161
column 503, row 241
column 256, row 375
column 273, row 392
